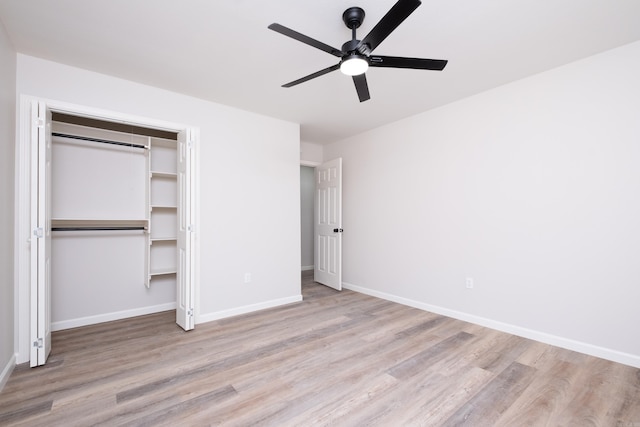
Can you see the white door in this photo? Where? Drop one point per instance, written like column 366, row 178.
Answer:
column 328, row 224
column 185, row 282
column 41, row 234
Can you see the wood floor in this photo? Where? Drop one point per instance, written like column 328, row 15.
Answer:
column 340, row 359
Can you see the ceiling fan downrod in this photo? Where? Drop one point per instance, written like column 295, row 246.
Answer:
column 353, row 18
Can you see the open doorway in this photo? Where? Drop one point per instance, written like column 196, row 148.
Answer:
column 321, row 222
column 114, row 220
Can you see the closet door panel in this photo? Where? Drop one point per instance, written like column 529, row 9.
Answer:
column 185, row 316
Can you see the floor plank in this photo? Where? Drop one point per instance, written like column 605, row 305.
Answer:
column 336, row 358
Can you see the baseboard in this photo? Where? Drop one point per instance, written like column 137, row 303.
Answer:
column 203, row 318
column 6, row 372
column 108, row 317
column 569, row 344
column 306, row 267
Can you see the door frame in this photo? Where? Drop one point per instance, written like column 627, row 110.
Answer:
column 22, row 236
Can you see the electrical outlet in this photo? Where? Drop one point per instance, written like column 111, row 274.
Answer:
column 469, row 282
column 247, row 277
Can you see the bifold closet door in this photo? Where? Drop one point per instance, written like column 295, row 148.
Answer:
column 184, row 284
column 41, row 158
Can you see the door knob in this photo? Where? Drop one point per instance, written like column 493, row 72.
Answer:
column 338, row 230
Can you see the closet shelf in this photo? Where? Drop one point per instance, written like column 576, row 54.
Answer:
column 162, row 272
column 163, row 142
column 163, row 239
column 159, row 174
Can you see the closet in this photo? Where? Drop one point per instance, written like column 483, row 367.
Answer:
column 114, row 220
column 111, row 204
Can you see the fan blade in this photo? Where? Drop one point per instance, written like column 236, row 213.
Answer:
column 312, row 76
column 305, row 39
column 415, row 63
column 362, row 87
column 398, row 13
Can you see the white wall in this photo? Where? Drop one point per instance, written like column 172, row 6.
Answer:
column 249, row 184
column 307, row 190
column 7, row 182
column 532, row 189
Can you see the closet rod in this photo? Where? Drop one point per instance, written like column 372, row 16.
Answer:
column 96, row 228
column 103, row 141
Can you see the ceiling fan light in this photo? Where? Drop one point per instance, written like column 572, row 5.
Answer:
column 354, row 65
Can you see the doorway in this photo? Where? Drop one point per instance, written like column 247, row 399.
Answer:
column 321, row 218
column 113, row 193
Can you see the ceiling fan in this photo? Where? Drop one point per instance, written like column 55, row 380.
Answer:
column 355, row 55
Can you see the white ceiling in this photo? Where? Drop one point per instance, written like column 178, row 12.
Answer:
column 221, row 50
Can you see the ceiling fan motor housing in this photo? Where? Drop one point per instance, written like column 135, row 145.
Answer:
column 350, row 46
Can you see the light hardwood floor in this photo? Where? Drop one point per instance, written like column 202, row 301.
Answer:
column 342, row 359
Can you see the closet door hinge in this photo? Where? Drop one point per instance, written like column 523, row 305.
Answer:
column 39, row 343
column 39, row 123
column 190, row 312
column 191, row 228
column 38, row 232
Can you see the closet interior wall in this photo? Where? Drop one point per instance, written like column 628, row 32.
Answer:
column 114, row 221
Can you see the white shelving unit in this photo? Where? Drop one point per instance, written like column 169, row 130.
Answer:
column 163, row 209
column 113, row 197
